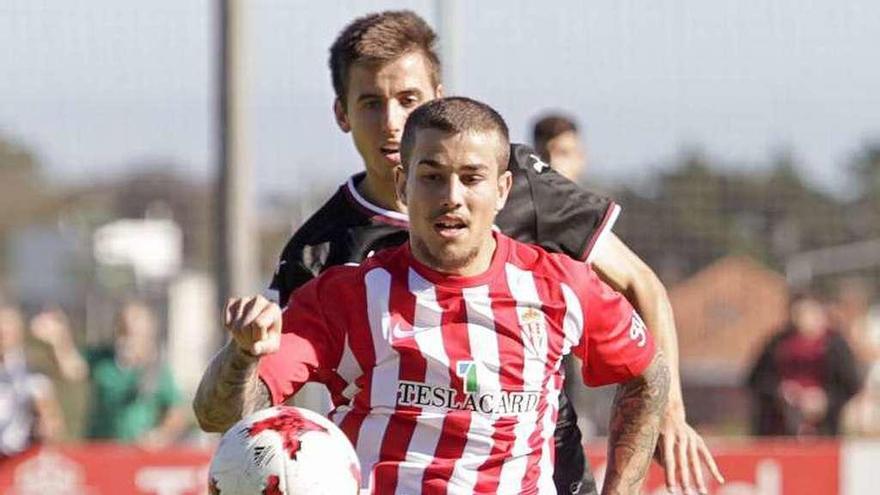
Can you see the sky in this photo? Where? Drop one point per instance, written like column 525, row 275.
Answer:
column 105, row 87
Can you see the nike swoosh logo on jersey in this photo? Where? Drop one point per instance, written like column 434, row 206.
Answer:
column 398, row 333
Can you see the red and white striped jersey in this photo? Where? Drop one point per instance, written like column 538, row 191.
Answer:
column 449, row 384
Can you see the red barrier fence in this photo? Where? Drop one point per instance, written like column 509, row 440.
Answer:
column 752, row 467
column 99, row 469
column 760, row 468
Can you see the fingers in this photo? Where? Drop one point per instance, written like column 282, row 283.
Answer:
column 684, row 454
column 694, row 462
column 255, row 324
column 269, row 324
column 668, row 446
column 709, row 461
column 683, row 465
column 231, row 310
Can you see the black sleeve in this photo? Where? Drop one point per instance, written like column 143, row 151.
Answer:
column 298, row 265
column 547, row 209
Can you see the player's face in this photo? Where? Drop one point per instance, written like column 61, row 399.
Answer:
column 567, row 155
column 378, row 101
column 453, row 190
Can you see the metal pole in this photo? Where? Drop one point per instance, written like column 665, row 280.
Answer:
column 447, row 29
column 235, row 247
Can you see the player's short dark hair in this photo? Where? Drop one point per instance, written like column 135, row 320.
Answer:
column 548, row 127
column 455, row 115
column 379, row 38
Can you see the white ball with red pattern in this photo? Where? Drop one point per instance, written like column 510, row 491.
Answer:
column 284, row 450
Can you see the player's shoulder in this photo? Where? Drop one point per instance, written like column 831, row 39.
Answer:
column 526, row 165
column 332, row 221
column 350, row 275
column 535, row 259
column 523, row 158
column 334, row 215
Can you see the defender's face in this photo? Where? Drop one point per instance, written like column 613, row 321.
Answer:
column 567, row 155
column 453, row 191
column 378, row 101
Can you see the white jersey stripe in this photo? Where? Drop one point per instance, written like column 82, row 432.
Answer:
column 533, row 325
column 484, row 350
column 427, row 320
column 369, row 439
column 545, row 465
column 573, row 324
column 383, row 386
column 348, row 368
column 426, row 328
column 421, row 452
column 533, row 329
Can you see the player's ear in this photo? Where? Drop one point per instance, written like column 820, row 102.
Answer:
column 400, row 183
column 341, row 116
column 439, row 90
column 505, row 182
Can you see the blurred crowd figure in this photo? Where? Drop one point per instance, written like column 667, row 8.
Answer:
column 558, row 142
column 29, row 411
column 804, row 375
column 859, row 320
column 134, row 398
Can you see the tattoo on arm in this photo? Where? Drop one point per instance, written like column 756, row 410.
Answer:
column 635, row 425
column 230, row 389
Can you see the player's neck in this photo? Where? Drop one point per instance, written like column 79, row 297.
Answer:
column 480, row 263
column 380, row 193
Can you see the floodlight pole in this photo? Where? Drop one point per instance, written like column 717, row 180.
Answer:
column 236, row 274
column 448, row 32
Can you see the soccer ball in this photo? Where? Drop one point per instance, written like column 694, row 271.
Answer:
column 284, row 451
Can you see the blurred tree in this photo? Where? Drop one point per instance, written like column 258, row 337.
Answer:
column 700, row 211
column 24, row 195
column 864, row 218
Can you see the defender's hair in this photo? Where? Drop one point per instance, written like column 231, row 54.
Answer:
column 378, row 38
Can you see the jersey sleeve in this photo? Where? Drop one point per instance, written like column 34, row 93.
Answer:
column 615, row 345
column 297, row 266
column 289, row 276
column 547, row 209
column 310, row 347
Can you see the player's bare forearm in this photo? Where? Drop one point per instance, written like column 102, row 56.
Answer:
column 229, row 390
column 623, row 270
column 652, row 303
column 635, row 426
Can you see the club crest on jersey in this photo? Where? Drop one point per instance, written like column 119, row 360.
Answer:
column 534, row 330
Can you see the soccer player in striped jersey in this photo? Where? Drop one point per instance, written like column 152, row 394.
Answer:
column 383, row 66
column 443, row 355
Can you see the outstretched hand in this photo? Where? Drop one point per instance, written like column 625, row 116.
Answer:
column 682, row 452
column 254, row 323
column 51, row 327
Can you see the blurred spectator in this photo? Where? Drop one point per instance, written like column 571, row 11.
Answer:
column 860, row 321
column 557, row 141
column 29, row 411
column 804, row 376
column 134, row 396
